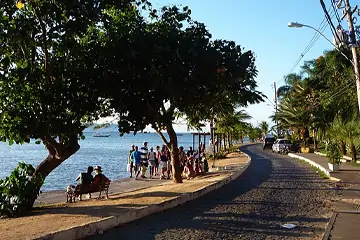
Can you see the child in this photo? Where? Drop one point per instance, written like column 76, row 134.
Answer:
column 189, row 171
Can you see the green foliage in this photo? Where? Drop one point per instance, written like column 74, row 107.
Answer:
column 177, row 68
column 233, row 123
column 320, row 92
column 264, row 126
column 253, row 133
column 17, row 189
column 333, row 153
column 54, row 58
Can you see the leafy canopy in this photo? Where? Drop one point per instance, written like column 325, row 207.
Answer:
column 51, row 66
column 180, row 71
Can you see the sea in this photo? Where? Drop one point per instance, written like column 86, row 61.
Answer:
column 108, row 152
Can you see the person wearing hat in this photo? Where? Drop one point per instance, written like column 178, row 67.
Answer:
column 99, row 176
column 131, row 160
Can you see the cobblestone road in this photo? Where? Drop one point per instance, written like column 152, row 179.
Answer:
column 274, row 190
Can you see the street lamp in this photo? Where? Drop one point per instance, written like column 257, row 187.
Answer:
column 354, row 62
column 299, row 25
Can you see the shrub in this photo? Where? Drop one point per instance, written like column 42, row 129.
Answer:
column 333, row 153
column 15, row 190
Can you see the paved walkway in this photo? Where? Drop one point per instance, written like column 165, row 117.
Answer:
column 346, row 218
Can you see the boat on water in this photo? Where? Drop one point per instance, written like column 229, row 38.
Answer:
column 101, row 134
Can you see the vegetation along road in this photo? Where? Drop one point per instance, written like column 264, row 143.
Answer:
column 273, row 191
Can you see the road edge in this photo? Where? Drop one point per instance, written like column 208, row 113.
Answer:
column 312, row 163
column 102, row 225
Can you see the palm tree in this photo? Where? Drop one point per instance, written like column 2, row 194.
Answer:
column 264, row 126
column 233, row 123
column 349, row 131
column 299, row 109
column 291, row 80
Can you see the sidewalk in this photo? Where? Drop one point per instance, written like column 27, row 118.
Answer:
column 345, row 221
column 63, row 220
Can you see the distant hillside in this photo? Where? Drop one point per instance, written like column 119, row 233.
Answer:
column 111, row 128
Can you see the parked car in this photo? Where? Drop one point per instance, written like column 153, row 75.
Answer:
column 279, row 144
column 268, row 142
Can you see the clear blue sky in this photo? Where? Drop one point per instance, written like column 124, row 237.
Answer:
column 261, row 26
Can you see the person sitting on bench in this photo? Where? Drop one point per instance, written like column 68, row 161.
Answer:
column 99, row 178
column 85, row 178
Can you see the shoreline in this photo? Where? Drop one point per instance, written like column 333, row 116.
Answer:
column 121, row 185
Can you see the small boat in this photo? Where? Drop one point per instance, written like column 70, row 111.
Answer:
column 101, row 134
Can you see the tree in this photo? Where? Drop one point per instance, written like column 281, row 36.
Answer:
column 180, row 72
column 291, row 80
column 233, row 124
column 264, row 126
column 346, row 130
column 253, row 132
column 51, row 73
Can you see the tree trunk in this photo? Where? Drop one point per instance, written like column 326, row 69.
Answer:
column 228, row 139
column 58, row 153
column 353, row 152
column 174, row 150
column 343, row 148
column 224, row 141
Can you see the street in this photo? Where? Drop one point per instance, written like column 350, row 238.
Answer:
column 274, row 190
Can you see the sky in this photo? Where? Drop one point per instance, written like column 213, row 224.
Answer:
column 261, row 26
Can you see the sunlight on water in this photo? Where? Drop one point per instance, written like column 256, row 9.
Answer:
column 108, row 152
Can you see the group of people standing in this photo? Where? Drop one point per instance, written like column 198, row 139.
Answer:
column 142, row 159
column 158, row 161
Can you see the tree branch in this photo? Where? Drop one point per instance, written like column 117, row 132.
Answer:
column 44, row 37
column 53, row 146
column 163, row 138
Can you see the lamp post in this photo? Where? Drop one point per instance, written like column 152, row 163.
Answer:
column 299, row 25
column 354, row 62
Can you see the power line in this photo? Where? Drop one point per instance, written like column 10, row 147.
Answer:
column 313, row 40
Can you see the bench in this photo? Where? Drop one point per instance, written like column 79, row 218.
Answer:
column 88, row 188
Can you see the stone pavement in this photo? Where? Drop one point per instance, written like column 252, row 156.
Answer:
column 80, row 219
column 346, row 218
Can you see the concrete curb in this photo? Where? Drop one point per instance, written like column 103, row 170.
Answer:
column 329, row 227
column 321, row 168
column 343, row 159
column 132, row 215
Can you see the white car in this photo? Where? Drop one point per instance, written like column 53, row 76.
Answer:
column 279, row 144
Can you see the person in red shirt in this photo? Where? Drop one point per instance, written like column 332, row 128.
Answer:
column 99, row 176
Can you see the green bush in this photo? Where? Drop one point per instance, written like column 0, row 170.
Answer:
column 17, row 190
column 333, row 153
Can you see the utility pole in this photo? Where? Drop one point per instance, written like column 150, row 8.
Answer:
column 349, row 12
column 277, row 123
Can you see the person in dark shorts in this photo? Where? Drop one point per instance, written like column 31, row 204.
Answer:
column 131, row 160
column 157, row 160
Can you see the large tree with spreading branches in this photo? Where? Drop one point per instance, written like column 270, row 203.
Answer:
column 179, row 72
column 51, row 68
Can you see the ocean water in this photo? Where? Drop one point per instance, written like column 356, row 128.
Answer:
column 108, row 152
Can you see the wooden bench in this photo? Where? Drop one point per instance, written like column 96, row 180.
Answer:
column 88, row 188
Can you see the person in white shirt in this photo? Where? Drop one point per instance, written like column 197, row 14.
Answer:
column 152, row 163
